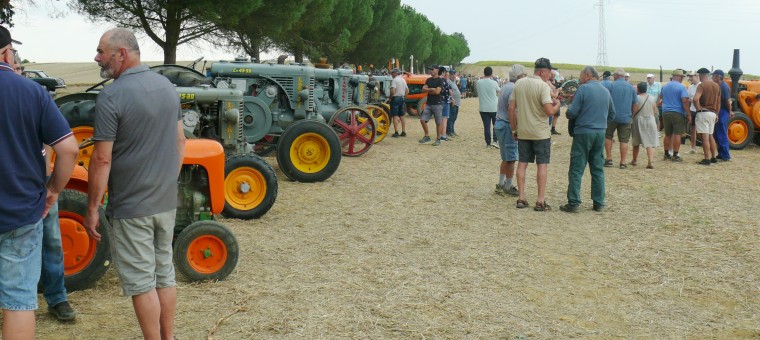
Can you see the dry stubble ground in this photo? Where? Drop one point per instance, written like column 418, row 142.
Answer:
column 409, row 241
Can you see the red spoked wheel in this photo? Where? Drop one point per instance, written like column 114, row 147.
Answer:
column 356, row 130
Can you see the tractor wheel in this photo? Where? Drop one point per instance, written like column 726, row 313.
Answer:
column 250, row 187
column 382, row 120
column 84, row 260
column 79, row 111
column 739, row 131
column 356, row 130
column 206, row 250
column 308, row 151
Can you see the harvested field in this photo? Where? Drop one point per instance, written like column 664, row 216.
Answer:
column 409, row 241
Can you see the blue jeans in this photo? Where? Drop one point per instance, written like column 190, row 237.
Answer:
column 588, row 148
column 488, row 118
column 452, row 119
column 721, row 134
column 52, row 259
column 20, row 261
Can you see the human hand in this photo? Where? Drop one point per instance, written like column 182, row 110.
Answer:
column 50, row 199
column 91, row 222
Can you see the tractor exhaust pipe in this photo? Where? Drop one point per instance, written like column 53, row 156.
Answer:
column 735, row 72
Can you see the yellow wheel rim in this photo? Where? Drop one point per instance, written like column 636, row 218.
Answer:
column 310, row 153
column 245, row 188
column 383, row 121
column 738, row 132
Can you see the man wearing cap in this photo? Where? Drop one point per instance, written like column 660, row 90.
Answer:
column 624, row 99
column 606, row 82
column 591, row 109
column 653, row 87
column 628, row 78
column 399, row 91
column 502, row 128
column 530, row 105
column 675, row 108
column 456, row 101
column 707, row 103
column 488, row 91
column 30, row 120
column 721, row 127
column 434, row 107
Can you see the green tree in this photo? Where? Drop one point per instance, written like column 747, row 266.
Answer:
column 385, row 37
column 420, row 39
column 293, row 39
column 169, row 23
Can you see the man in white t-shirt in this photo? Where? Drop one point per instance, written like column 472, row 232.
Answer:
column 488, row 93
column 692, row 90
column 399, row 90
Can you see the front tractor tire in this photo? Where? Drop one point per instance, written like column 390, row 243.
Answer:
column 308, row 151
column 79, row 111
column 85, row 260
column 206, row 250
column 250, row 187
column 740, row 131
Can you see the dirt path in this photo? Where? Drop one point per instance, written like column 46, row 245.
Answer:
column 409, row 241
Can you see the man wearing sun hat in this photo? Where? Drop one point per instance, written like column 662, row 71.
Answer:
column 653, row 87
column 30, row 119
column 675, row 108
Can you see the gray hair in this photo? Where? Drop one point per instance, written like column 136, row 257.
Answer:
column 620, row 72
column 516, row 71
column 591, row 71
column 123, row 37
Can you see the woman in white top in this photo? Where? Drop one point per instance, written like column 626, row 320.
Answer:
column 645, row 125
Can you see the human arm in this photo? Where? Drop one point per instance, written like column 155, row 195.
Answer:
column 180, row 145
column 97, row 178
column 686, row 105
column 513, row 115
column 65, row 159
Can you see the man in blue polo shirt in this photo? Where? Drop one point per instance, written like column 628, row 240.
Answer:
column 676, row 115
column 624, row 99
column 26, row 197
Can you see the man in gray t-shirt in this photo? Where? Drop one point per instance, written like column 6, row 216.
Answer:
column 502, row 129
column 139, row 145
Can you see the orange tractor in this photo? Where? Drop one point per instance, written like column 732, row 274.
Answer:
column 416, row 99
column 203, row 249
column 741, row 127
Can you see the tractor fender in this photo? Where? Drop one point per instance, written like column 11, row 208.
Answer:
column 78, row 180
column 210, row 155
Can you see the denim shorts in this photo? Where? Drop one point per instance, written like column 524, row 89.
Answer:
column 507, row 144
column 397, row 106
column 445, row 110
column 20, row 263
column 141, row 249
column 535, row 150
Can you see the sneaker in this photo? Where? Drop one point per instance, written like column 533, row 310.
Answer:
column 444, row 138
column 512, row 191
column 725, row 159
column 425, row 139
column 453, row 134
column 667, row 157
column 693, row 151
column 495, row 145
column 598, row 208
column 555, row 132
column 713, row 160
column 704, row 162
column 63, row 311
column 503, row 191
column 571, row 208
column 608, row 163
column 403, row 134
column 677, row 158
column 437, row 142
column 395, row 134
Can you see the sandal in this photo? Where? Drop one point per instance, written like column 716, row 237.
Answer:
column 542, row 206
column 634, row 163
column 522, row 204
column 607, row 162
column 650, row 166
column 623, row 166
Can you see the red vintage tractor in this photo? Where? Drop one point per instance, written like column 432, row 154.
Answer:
column 203, row 248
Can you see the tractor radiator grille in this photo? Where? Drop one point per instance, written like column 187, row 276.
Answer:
column 241, row 107
column 288, row 84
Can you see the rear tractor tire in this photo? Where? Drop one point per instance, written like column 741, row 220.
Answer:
column 250, row 187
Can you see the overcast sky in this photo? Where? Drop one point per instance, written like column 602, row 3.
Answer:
column 685, row 34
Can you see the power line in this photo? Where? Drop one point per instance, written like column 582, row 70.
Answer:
column 601, row 57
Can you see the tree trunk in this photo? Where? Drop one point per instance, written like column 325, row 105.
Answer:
column 298, row 54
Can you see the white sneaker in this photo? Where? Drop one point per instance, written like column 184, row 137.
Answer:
column 693, row 150
column 494, row 145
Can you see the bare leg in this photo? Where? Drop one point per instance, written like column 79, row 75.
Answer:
column 439, row 130
column 650, row 155
column 608, row 149
column 395, row 123
column 623, row 152
column 693, row 138
column 676, row 142
column 167, row 297
column 541, row 175
column 424, row 126
column 18, row 324
column 521, row 167
column 713, row 146
column 444, row 125
column 635, row 157
column 148, row 311
column 667, row 143
column 403, row 124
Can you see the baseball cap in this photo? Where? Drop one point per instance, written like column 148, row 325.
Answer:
column 719, row 73
column 5, row 37
column 649, row 75
column 395, row 70
column 543, row 63
column 432, row 67
column 452, row 71
column 703, row 71
column 678, row 72
column 627, row 74
column 606, row 74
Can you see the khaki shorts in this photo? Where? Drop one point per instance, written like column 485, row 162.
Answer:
column 623, row 130
column 705, row 122
column 674, row 122
column 141, row 250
